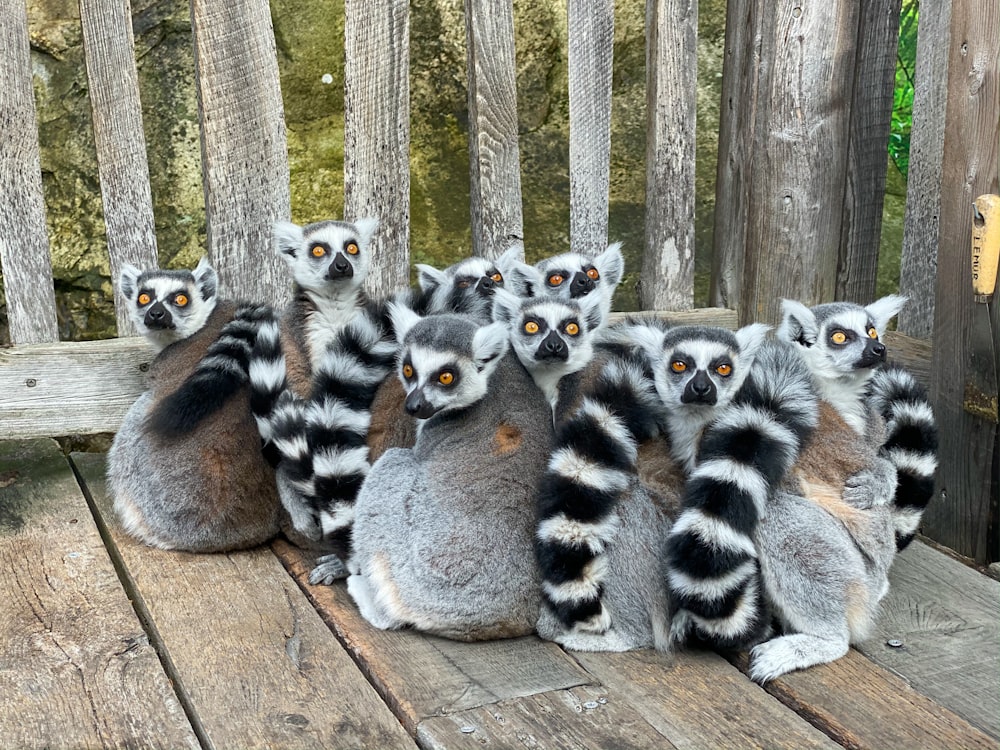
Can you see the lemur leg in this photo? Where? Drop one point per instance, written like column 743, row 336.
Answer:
column 790, row 652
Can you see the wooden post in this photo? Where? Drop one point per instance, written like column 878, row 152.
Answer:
column 918, row 271
column 591, row 51
column 121, row 143
column 494, row 158
column 671, row 98
column 24, row 240
column 795, row 103
column 244, row 156
column 867, row 161
column 964, row 515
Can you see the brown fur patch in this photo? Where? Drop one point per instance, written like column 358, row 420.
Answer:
column 858, row 612
column 390, row 426
column 830, row 499
column 661, row 474
column 298, row 369
column 834, row 453
column 506, row 440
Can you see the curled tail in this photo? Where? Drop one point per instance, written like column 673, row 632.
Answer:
column 592, row 464
column 711, row 563
column 911, row 445
column 322, row 441
column 221, row 373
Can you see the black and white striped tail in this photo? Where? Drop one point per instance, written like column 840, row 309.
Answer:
column 592, row 464
column 712, row 568
column 268, row 381
column 217, row 377
column 911, row 445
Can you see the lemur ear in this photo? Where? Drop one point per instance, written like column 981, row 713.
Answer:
column 403, row 319
column 592, row 311
column 750, row 338
column 429, row 277
column 611, row 264
column 506, row 306
column 366, row 228
column 286, row 239
column 512, row 255
column 489, row 344
column 128, row 280
column 798, row 324
column 524, row 280
column 883, row 310
column 205, row 278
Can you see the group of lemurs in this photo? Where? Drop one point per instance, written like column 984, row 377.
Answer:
column 485, row 456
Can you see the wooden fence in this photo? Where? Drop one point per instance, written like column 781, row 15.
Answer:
column 801, row 171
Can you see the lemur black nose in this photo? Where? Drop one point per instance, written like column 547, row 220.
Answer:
column 701, row 388
column 552, row 347
column 340, row 267
column 581, row 285
column 486, row 286
column 156, row 313
column 878, row 349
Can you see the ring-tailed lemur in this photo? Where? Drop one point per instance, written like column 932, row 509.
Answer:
column 442, row 532
column 185, row 468
column 552, row 338
column 571, row 276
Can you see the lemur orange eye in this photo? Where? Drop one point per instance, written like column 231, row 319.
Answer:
column 318, row 251
column 838, row 337
column 678, row 366
column 446, row 378
column 572, row 329
column 725, row 370
column 556, row 279
column 407, row 371
column 145, row 299
column 872, row 333
column 497, row 277
column 593, row 273
column 352, row 248
column 531, row 327
column 181, row 300
column 463, row 284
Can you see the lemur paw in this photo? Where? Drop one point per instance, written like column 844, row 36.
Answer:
column 329, row 568
column 607, row 641
column 872, row 487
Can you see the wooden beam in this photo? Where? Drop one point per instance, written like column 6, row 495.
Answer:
column 24, row 239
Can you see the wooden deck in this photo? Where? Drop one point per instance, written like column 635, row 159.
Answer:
column 106, row 643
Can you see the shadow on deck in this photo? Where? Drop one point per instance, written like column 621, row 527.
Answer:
column 107, row 643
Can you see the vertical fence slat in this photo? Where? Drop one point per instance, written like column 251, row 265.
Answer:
column 918, row 270
column 671, row 103
column 121, row 143
column 24, row 244
column 871, row 112
column 964, row 515
column 377, row 131
column 795, row 173
column 244, row 156
column 494, row 158
column 591, row 52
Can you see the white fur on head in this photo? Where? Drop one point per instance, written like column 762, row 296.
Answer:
column 750, row 338
column 506, row 306
column 524, row 280
column 429, row 277
column 611, row 264
column 206, row 278
column 510, row 256
column 403, row 319
column 128, row 279
column 286, row 239
column 489, row 344
column 593, row 310
column 366, row 228
column 885, row 309
column 798, row 324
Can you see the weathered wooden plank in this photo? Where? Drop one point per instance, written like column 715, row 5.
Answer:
column 698, row 700
column 420, row 676
column 494, row 158
column 793, row 181
column 591, row 25
column 24, row 240
column 918, row 269
column 81, row 387
column 913, row 354
column 703, row 316
column 946, row 616
column 76, row 667
column 121, row 143
column 252, row 660
column 583, row 717
column 671, row 99
column 970, row 157
column 243, row 151
column 377, row 132
column 871, row 112
column 862, row 706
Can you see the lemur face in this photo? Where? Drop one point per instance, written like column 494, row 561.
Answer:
column 467, row 286
column 446, row 360
column 167, row 306
column 839, row 339
column 571, row 275
column 703, row 368
column 327, row 256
